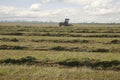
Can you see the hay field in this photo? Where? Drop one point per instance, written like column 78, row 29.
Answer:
column 49, row 52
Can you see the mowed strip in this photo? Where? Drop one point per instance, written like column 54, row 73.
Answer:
column 62, row 34
column 58, row 55
column 23, row 72
column 84, row 47
column 60, row 43
column 63, row 59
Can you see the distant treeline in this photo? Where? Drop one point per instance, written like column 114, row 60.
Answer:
column 52, row 22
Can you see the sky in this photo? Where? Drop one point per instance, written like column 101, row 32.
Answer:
column 103, row 11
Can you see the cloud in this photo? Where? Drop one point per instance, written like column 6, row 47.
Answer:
column 88, row 2
column 8, row 12
column 47, row 1
column 98, row 7
column 36, row 6
column 78, row 11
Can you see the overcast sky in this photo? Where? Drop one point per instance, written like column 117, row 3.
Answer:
column 58, row 10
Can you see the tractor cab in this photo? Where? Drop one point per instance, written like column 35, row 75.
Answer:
column 66, row 22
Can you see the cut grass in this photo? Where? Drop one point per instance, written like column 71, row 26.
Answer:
column 86, row 62
column 59, row 53
column 51, row 38
column 23, row 72
column 59, row 34
column 84, row 47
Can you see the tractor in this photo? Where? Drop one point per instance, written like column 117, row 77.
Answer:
column 65, row 23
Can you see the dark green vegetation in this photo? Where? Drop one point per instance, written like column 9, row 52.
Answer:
column 81, row 52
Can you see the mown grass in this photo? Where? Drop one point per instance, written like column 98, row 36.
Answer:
column 45, row 52
column 84, row 47
column 59, row 34
column 24, row 72
column 72, row 62
column 58, row 55
column 56, row 39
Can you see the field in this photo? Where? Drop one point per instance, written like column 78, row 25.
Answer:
column 49, row 52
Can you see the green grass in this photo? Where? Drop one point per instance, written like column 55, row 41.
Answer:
column 48, row 52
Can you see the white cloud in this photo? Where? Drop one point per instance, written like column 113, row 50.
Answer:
column 58, row 14
column 47, row 1
column 85, row 11
column 98, row 7
column 81, row 2
column 36, row 6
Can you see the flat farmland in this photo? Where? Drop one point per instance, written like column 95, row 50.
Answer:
column 49, row 52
